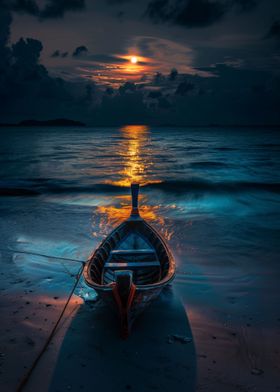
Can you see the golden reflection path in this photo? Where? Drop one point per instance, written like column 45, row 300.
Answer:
column 136, row 156
column 137, row 161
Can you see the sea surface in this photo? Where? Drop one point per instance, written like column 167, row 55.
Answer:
column 213, row 193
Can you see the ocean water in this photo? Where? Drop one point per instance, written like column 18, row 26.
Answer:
column 213, row 193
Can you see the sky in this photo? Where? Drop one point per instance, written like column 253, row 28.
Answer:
column 158, row 62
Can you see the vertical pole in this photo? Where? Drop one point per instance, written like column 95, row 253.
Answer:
column 134, row 198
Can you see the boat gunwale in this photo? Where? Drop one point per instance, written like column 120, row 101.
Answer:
column 108, row 287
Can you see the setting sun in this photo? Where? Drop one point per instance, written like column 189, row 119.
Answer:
column 134, row 60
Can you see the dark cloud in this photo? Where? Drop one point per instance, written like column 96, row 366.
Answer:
column 127, row 107
column 106, row 58
column 26, row 53
column 26, row 88
column 120, row 15
column 159, row 78
column 190, row 13
column 231, row 95
column 184, row 88
column 115, row 2
column 5, row 22
column 26, row 6
column 154, row 94
column 164, row 103
column 80, row 51
column 200, row 13
column 57, row 8
column 245, row 5
column 194, row 13
column 58, row 53
column 173, row 74
column 274, row 31
column 51, row 8
column 127, row 87
column 109, row 91
column 89, row 93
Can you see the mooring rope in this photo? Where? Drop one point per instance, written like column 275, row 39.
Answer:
column 41, row 254
column 27, row 376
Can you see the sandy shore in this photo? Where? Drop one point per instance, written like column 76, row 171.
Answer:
column 29, row 309
column 87, row 353
column 233, row 351
column 93, row 357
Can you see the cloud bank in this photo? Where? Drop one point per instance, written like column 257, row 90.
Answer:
column 222, row 93
column 195, row 13
column 51, row 8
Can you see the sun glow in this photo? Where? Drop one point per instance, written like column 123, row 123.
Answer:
column 134, row 60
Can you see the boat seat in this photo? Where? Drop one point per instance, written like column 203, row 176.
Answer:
column 132, row 258
column 143, row 263
column 132, row 264
column 119, row 252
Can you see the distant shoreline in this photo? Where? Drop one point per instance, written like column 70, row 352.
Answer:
column 72, row 123
column 60, row 122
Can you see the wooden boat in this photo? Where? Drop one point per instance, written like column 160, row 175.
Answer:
column 130, row 267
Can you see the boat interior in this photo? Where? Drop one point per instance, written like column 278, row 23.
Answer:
column 133, row 246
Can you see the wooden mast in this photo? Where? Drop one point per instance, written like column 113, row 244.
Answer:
column 134, row 200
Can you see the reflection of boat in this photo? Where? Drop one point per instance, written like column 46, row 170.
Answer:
column 131, row 266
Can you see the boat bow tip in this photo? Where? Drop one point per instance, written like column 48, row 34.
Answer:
column 134, row 200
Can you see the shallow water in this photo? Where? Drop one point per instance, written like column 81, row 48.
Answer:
column 213, row 193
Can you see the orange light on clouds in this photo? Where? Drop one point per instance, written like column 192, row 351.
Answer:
column 133, row 66
column 121, row 69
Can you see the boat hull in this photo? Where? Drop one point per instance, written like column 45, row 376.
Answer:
column 130, row 267
column 141, row 300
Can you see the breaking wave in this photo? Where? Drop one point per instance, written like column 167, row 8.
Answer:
column 36, row 187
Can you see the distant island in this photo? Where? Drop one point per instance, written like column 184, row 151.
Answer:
column 59, row 122
column 65, row 122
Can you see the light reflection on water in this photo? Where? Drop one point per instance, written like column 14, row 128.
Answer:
column 136, row 155
column 136, row 165
column 108, row 216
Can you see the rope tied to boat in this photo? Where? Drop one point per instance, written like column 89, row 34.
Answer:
column 41, row 255
column 27, row 376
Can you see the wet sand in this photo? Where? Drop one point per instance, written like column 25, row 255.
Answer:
column 29, row 309
column 93, row 357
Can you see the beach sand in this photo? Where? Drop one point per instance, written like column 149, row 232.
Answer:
column 92, row 355
column 29, row 310
column 227, row 352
